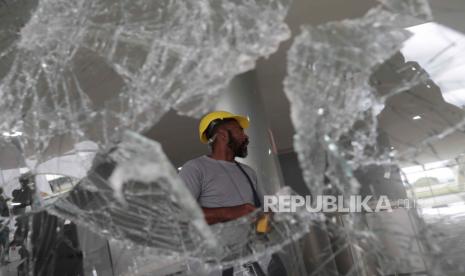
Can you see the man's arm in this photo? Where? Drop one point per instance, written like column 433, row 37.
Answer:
column 223, row 214
column 192, row 177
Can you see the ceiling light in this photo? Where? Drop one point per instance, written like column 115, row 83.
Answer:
column 51, row 177
column 418, row 117
column 12, row 133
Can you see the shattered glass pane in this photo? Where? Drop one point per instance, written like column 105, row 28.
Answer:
column 375, row 111
column 334, row 78
column 133, row 196
column 133, row 193
column 151, row 59
column 377, row 115
column 128, row 194
column 60, row 125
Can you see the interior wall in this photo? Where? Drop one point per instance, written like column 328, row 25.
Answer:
column 292, row 173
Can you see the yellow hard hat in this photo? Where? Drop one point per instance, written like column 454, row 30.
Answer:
column 210, row 117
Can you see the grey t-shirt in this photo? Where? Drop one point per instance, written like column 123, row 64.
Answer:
column 218, row 183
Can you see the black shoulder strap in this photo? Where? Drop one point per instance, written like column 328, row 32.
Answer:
column 256, row 199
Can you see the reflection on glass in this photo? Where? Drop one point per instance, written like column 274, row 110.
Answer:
column 442, row 58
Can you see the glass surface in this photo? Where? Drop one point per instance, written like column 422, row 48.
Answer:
column 377, row 103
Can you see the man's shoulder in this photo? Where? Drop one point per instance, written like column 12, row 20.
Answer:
column 246, row 167
column 195, row 163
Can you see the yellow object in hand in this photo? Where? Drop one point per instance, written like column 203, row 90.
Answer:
column 263, row 224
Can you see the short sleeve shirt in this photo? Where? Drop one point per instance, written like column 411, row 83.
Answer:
column 218, row 183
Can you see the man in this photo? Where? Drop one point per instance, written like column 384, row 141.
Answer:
column 22, row 198
column 223, row 187
column 4, row 229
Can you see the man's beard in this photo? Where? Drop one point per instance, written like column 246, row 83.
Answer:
column 239, row 149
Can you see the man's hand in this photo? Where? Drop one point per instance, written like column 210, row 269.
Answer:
column 223, row 214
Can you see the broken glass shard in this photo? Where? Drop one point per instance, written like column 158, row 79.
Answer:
column 148, row 57
column 339, row 101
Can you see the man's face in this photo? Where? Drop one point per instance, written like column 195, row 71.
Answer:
column 24, row 182
column 238, row 140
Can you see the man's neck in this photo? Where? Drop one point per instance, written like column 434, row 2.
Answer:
column 225, row 155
